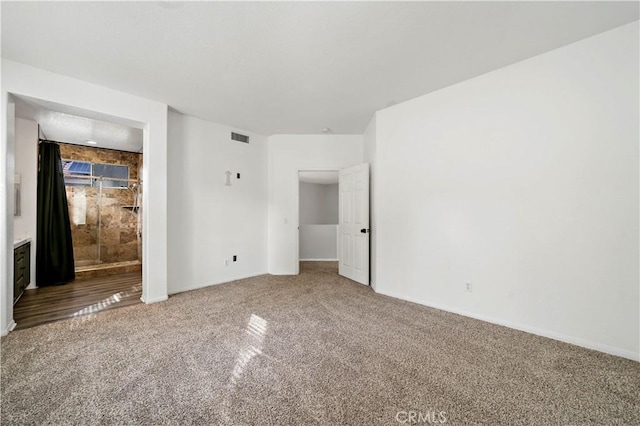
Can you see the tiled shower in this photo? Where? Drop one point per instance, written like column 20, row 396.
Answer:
column 104, row 194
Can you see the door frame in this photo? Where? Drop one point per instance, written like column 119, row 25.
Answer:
column 297, row 204
column 151, row 116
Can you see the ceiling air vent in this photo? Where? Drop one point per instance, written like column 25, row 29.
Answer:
column 240, row 138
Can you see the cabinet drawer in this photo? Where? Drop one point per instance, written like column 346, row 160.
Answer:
column 21, row 269
column 27, row 264
column 20, row 279
column 20, row 262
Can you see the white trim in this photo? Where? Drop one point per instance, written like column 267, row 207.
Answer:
column 532, row 330
column 10, row 328
column 318, row 260
column 199, row 286
column 156, row 300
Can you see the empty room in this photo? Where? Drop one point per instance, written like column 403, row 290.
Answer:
column 335, row 213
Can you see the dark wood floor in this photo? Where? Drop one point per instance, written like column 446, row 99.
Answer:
column 80, row 297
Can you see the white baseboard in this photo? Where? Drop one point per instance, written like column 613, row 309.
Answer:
column 154, row 300
column 10, row 327
column 318, row 260
column 282, row 274
column 209, row 284
column 528, row 329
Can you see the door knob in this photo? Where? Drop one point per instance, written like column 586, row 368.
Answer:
column 365, row 230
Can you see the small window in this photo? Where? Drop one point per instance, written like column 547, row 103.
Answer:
column 76, row 173
column 119, row 173
column 83, row 173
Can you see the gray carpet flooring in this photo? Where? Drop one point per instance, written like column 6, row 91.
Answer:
column 309, row 349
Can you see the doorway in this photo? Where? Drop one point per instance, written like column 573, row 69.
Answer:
column 318, row 203
column 349, row 232
column 101, row 183
column 80, row 97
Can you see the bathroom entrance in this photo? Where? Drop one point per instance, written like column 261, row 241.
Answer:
column 78, row 204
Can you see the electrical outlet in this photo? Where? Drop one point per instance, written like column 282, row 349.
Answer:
column 235, row 258
column 226, row 262
column 467, row 287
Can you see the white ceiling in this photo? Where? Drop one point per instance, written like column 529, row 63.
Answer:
column 71, row 125
column 321, row 177
column 291, row 67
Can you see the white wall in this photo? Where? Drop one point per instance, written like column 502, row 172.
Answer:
column 318, row 203
column 28, row 81
column 26, row 165
column 318, row 221
column 211, row 222
column 524, row 182
column 369, row 155
column 318, row 242
column 289, row 154
column 7, row 168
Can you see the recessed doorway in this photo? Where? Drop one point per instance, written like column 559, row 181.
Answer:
column 318, row 200
column 91, row 168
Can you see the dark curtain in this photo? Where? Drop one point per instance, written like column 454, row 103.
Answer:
column 54, row 248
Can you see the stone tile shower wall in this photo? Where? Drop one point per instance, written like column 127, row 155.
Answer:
column 119, row 241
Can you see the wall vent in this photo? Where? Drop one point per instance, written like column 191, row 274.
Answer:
column 240, row 138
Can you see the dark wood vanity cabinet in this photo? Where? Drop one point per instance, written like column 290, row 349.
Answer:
column 21, row 269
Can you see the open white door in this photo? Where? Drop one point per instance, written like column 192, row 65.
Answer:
column 353, row 229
